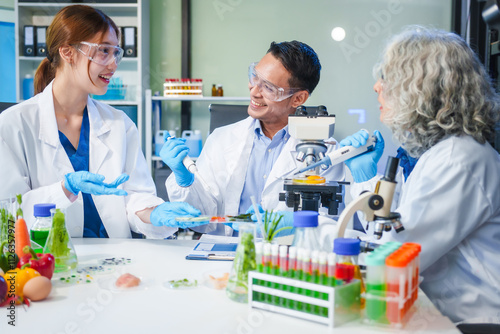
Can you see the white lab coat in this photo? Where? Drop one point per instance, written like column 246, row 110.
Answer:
column 34, row 163
column 223, row 165
column 450, row 204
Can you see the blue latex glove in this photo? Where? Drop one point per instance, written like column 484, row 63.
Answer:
column 172, row 153
column 165, row 214
column 91, row 183
column 363, row 167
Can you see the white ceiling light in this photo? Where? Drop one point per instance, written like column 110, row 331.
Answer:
column 338, row 34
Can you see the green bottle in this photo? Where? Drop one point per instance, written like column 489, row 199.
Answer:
column 39, row 232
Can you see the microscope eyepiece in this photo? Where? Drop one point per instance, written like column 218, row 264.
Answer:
column 391, row 169
column 321, row 111
column 301, row 111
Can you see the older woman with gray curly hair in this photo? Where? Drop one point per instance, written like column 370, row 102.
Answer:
column 440, row 105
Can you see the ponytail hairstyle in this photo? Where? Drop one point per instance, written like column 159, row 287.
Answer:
column 71, row 25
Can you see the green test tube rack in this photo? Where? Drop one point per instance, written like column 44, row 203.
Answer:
column 339, row 304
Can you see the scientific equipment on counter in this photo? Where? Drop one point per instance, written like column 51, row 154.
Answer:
column 306, row 234
column 244, row 261
column 182, row 87
column 312, row 126
column 39, row 232
column 341, row 155
column 214, row 90
column 299, row 285
column 347, row 251
column 377, row 205
column 392, row 278
column 59, row 243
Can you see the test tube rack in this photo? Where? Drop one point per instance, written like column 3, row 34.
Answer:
column 177, row 88
column 332, row 306
column 379, row 304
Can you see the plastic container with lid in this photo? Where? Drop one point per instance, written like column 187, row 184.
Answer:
column 39, row 232
column 306, row 234
column 193, row 141
column 347, row 251
column 28, row 87
column 397, row 283
column 375, row 286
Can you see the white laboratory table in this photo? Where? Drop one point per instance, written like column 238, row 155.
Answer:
column 98, row 308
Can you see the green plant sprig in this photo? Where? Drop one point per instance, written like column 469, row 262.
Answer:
column 271, row 225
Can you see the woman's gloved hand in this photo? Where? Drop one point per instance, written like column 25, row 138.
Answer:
column 165, row 214
column 172, row 153
column 91, row 183
column 363, row 167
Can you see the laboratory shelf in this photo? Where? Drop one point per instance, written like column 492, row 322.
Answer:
column 199, row 98
column 149, row 98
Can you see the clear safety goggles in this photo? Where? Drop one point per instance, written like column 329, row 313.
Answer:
column 269, row 90
column 102, row 54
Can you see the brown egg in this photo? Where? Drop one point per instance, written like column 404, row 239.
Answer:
column 37, row 288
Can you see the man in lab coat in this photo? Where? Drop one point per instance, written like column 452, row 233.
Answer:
column 251, row 157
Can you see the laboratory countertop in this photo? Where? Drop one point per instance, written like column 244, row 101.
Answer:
column 97, row 307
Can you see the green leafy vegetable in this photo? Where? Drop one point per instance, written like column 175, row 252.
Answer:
column 183, row 283
column 60, row 238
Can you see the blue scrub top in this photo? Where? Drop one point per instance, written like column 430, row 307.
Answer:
column 92, row 223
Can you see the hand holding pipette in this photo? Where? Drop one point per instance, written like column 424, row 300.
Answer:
column 342, row 154
column 175, row 154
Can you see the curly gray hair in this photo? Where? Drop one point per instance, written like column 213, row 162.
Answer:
column 435, row 86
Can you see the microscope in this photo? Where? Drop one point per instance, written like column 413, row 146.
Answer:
column 312, row 125
column 376, row 205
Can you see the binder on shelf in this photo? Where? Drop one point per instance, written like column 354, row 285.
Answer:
column 129, row 41
column 41, row 44
column 29, row 41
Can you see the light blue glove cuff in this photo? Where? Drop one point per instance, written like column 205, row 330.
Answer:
column 184, row 179
column 69, row 186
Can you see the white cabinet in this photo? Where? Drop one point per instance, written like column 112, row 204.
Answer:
column 131, row 70
column 148, row 138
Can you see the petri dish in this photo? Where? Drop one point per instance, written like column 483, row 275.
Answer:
column 311, row 179
column 186, row 219
column 181, row 284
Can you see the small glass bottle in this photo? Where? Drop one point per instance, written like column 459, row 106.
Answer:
column 220, row 91
column 39, row 232
column 214, row 90
column 59, row 243
column 244, row 261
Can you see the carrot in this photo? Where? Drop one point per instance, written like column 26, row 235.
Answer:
column 22, row 236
